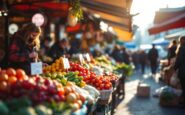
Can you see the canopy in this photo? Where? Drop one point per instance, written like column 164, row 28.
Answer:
column 167, row 19
column 123, row 35
column 51, row 8
column 161, row 42
column 175, row 35
column 114, row 13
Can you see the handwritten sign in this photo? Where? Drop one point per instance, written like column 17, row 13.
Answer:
column 36, row 68
column 66, row 63
column 81, row 58
column 87, row 56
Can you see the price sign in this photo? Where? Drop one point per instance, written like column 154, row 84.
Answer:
column 66, row 63
column 87, row 56
column 81, row 58
column 36, row 68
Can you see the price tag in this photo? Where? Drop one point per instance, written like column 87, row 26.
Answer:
column 87, row 56
column 81, row 58
column 36, row 68
column 66, row 63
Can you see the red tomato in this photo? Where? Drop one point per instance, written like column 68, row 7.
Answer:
column 61, row 91
column 20, row 74
column 102, row 86
column 3, row 77
column 97, row 84
column 11, row 72
column 12, row 79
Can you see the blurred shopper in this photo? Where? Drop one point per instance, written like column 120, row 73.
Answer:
column 44, row 51
column 135, row 60
column 142, row 60
column 59, row 49
column 153, row 59
column 171, row 52
column 117, row 54
column 126, row 56
column 23, row 46
column 180, row 65
column 75, row 45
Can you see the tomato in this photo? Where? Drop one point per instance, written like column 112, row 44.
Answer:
column 107, row 86
column 61, row 91
column 100, row 82
column 11, row 72
column 3, row 77
column 20, row 74
column 102, row 86
column 12, row 79
column 3, row 85
column 93, row 81
column 97, row 84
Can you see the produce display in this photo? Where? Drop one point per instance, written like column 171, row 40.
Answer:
column 37, row 89
column 112, row 66
column 58, row 90
column 64, row 77
column 126, row 69
column 99, row 82
column 57, row 66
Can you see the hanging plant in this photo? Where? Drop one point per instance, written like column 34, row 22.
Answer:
column 76, row 9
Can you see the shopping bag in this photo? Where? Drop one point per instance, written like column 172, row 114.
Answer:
column 174, row 81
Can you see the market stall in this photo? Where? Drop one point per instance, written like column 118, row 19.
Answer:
column 80, row 84
column 66, row 87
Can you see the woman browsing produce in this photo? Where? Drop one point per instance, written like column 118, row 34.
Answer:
column 23, row 47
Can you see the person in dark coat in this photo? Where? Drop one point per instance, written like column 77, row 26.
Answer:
column 59, row 49
column 180, row 65
column 117, row 54
column 153, row 59
column 171, row 51
column 75, row 46
column 142, row 60
column 126, row 56
column 44, row 50
column 23, row 47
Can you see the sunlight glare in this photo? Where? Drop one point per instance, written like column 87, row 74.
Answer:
column 147, row 9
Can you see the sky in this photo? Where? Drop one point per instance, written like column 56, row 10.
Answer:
column 147, row 8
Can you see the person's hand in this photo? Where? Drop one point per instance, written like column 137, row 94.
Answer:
column 33, row 55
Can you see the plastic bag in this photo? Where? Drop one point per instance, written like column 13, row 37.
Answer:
column 174, row 81
column 161, row 90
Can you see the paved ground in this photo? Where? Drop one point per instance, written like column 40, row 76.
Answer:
column 133, row 105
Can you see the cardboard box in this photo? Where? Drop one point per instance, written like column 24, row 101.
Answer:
column 143, row 90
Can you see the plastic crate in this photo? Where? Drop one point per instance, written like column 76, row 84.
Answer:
column 105, row 94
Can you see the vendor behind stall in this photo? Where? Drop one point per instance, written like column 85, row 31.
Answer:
column 60, row 48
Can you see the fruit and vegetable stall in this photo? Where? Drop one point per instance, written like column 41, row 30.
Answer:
column 66, row 87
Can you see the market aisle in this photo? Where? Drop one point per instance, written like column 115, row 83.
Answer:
column 133, row 105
